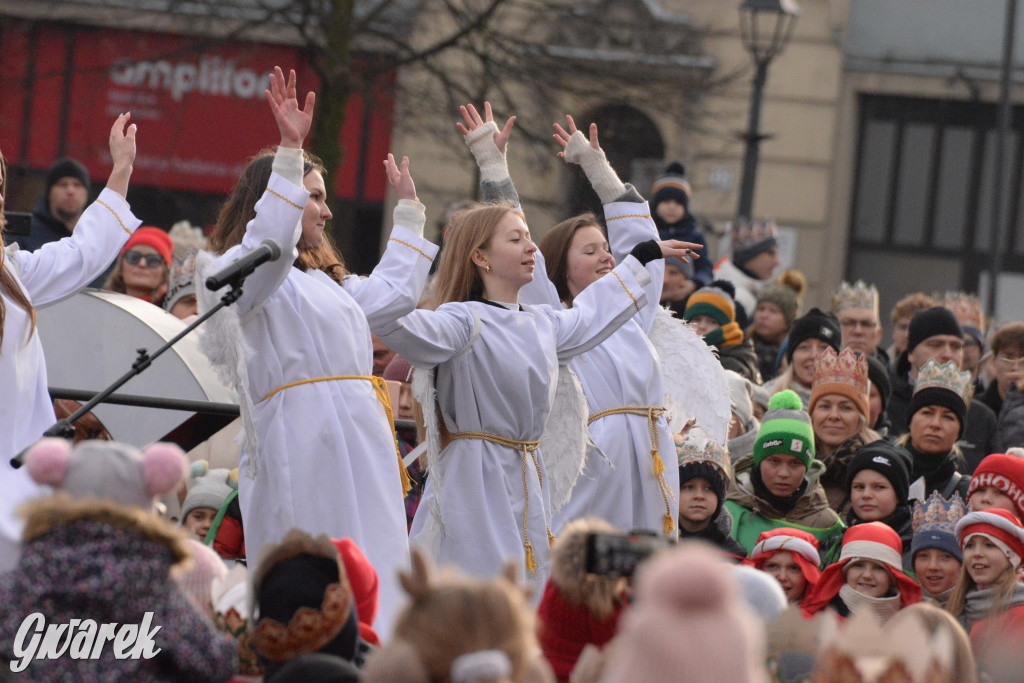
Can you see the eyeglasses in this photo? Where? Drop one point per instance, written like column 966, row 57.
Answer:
column 1009, row 362
column 134, row 258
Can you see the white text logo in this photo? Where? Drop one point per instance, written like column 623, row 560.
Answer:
column 81, row 639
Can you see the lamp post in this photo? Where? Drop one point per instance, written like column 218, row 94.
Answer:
column 766, row 26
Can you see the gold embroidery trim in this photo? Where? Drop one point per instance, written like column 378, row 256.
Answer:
column 120, row 222
column 404, row 243
column 636, row 305
column 308, row 630
column 284, row 199
column 628, row 215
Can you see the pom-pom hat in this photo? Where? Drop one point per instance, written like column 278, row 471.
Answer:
column 210, row 488
column 786, row 429
column 844, row 374
column 934, row 522
column 1004, row 472
column 715, row 300
column 672, row 184
column 999, row 526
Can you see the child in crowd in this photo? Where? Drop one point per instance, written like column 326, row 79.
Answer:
column 704, row 474
column 934, row 549
column 670, row 206
column 998, row 482
column 209, row 491
column 791, row 556
column 712, row 312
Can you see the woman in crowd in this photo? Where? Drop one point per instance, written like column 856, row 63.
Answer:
column 867, row 577
column 791, row 556
column 143, row 268
column 877, row 487
column 777, row 485
column 988, row 598
column 839, row 411
column 936, row 552
column 809, row 336
column 935, row 416
column 319, row 451
column 496, row 363
column 47, row 275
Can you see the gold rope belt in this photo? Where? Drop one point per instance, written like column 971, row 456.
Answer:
column 529, row 451
column 382, row 395
column 652, row 413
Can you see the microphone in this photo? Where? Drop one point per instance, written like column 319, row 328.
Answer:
column 269, row 250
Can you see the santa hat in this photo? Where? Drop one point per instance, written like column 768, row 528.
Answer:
column 687, row 615
column 1004, row 472
column 999, row 526
column 875, row 541
column 801, row 545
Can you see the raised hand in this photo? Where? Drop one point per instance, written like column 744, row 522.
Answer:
column 474, row 121
column 679, row 249
column 400, row 178
column 293, row 122
column 563, row 136
column 122, row 142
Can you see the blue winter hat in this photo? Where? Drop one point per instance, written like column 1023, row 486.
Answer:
column 934, row 522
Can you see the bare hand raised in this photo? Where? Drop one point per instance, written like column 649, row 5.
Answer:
column 293, row 122
column 122, row 142
column 474, row 121
column 400, row 178
column 563, row 136
column 680, row 250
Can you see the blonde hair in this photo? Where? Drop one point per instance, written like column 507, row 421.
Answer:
column 1004, row 586
column 458, row 278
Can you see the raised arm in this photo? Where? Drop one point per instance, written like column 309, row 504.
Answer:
column 396, row 284
column 428, row 338
column 59, row 269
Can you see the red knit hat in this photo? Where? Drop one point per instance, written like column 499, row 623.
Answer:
column 151, row 237
column 998, row 525
column 362, row 577
column 875, row 541
column 1004, row 472
column 800, row 544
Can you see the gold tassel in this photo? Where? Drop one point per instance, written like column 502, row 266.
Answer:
column 551, row 539
column 531, row 563
column 659, row 466
column 406, row 480
column 670, row 524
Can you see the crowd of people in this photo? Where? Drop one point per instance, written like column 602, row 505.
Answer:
column 630, row 461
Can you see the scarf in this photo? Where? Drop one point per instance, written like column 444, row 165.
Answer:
column 883, row 608
column 837, row 462
column 934, row 468
column 726, row 335
column 979, row 603
column 783, row 505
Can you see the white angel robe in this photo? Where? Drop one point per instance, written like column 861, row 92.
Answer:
column 325, row 458
column 48, row 275
column 495, row 373
column 619, row 484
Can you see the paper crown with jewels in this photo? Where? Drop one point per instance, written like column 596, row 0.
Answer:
column 945, row 376
column 857, row 295
column 965, row 307
column 748, row 233
column 845, row 374
column 938, row 514
column 698, row 446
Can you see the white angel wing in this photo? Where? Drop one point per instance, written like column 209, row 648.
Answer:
column 221, row 341
column 563, row 445
column 424, row 392
column 695, row 383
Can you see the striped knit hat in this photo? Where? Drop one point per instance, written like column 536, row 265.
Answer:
column 717, row 301
column 786, row 429
column 999, row 526
column 672, row 184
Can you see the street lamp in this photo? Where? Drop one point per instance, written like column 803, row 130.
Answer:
column 766, row 26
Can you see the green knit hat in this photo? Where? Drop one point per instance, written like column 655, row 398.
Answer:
column 786, row 429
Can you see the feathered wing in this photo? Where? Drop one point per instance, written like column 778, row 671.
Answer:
column 563, row 445
column 424, row 392
column 221, row 341
column 695, row 382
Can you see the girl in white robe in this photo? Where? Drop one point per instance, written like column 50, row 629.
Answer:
column 495, row 361
column 319, row 451
column 631, row 479
column 34, row 279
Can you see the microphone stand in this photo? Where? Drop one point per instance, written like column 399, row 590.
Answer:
column 63, row 427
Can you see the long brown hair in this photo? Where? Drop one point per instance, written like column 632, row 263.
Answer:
column 8, row 285
column 468, row 230
column 1004, row 586
column 555, row 247
column 240, row 208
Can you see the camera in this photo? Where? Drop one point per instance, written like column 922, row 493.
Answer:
column 17, row 223
column 618, row 555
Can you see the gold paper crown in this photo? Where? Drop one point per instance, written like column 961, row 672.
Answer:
column 938, row 514
column 749, row 233
column 698, row 446
column 966, row 308
column 946, row 376
column 857, row 295
column 848, row 367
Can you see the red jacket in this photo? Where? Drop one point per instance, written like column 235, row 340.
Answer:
column 997, row 640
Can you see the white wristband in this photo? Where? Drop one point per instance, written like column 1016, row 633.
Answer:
column 602, row 176
column 411, row 215
column 489, row 158
column 288, row 163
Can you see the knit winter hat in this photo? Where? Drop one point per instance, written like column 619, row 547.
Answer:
column 931, row 322
column 943, row 385
column 181, row 280
column 108, row 470
column 151, row 237
column 210, row 488
column 715, row 300
column 802, row 545
column 398, row 370
column 684, row 267
column 999, row 526
column 888, row 460
column 67, row 168
column 878, row 374
column 785, row 428
column 197, row 579
column 750, row 240
column 934, row 522
column 687, row 615
column 1006, row 473
column 784, row 297
column 815, row 324
column 672, row 184
column 365, row 586
column 844, row 374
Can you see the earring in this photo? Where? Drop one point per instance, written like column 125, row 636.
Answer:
column 488, row 268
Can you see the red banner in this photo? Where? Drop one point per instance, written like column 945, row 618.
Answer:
column 199, row 106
